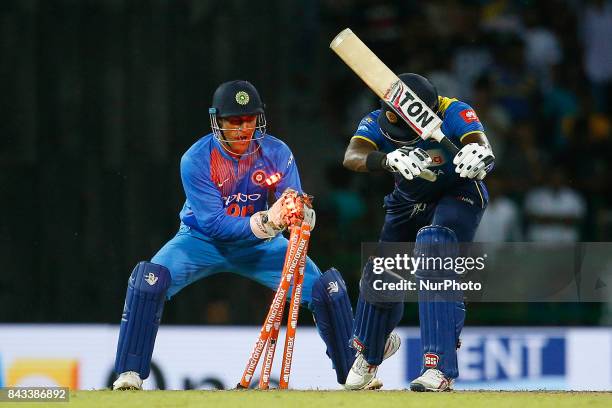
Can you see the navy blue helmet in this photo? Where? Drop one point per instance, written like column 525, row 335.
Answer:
column 392, row 126
column 237, row 98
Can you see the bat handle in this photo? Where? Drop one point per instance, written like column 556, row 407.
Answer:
column 450, row 146
column 439, row 137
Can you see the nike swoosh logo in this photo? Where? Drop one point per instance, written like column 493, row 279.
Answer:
column 222, row 183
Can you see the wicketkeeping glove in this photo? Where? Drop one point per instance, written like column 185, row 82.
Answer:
column 290, row 209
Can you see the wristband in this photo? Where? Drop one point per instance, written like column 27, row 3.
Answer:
column 375, row 161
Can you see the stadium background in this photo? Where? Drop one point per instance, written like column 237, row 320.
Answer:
column 101, row 98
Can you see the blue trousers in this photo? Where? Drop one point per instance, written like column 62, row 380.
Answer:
column 190, row 256
column 460, row 210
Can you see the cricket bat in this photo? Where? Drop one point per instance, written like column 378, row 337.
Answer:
column 390, row 88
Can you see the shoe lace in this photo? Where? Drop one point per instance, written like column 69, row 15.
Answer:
column 435, row 374
column 362, row 364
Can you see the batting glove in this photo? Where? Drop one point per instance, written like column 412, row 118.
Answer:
column 410, row 163
column 473, row 161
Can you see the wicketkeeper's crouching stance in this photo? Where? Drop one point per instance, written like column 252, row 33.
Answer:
column 226, row 226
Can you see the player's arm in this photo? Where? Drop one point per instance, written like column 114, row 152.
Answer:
column 291, row 206
column 290, row 176
column 356, row 155
column 476, row 158
column 207, row 205
column 476, row 137
column 363, row 156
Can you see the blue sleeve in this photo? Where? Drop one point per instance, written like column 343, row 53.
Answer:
column 207, row 205
column 459, row 121
column 288, row 168
column 368, row 130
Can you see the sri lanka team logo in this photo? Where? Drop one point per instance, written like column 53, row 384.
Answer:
column 468, row 115
column 391, row 117
column 437, row 157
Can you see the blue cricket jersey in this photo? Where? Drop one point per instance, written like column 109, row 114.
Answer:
column 458, row 121
column 223, row 192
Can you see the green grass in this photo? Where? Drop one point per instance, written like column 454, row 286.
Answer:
column 362, row 399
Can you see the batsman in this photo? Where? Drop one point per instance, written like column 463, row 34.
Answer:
column 226, row 225
column 435, row 213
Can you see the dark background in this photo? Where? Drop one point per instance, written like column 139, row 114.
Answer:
column 99, row 100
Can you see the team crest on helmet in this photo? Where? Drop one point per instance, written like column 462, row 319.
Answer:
column 258, row 177
column 242, row 98
column 391, row 117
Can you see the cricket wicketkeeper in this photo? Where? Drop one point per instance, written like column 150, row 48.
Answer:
column 226, row 225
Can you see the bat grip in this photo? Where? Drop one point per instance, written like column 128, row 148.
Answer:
column 439, row 137
column 449, row 146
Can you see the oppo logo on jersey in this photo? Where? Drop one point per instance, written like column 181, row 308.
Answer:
column 234, row 209
column 241, row 198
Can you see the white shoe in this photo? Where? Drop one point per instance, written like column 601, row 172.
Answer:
column 362, row 375
column 130, row 380
column 432, row 380
column 392, row 345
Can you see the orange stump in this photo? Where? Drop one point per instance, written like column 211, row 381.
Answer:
column 293, row 268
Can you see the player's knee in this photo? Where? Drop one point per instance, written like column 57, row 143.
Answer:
column 371, row 282
column 148, row 277
column 434, row 244
column 331, row 283
column 435, row 240
column 329, row 288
